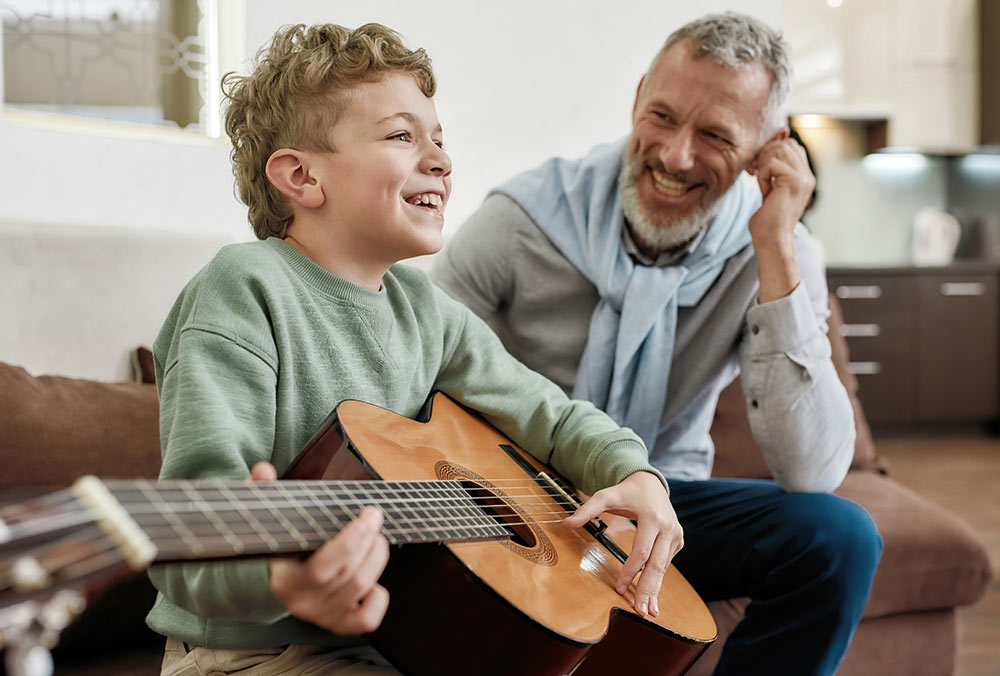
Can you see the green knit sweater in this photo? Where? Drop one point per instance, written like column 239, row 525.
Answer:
column 263, row 343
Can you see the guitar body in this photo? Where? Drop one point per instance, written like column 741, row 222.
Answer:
column 544, row 604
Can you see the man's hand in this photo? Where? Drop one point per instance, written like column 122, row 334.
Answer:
column 337, row 586
column 658, row 535
column 786, row 185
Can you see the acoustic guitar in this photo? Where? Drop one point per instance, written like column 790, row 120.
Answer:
column 487, row 581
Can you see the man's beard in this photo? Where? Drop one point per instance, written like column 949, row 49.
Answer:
column 659, row 232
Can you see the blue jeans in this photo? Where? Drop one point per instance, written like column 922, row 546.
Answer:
column 806, row 560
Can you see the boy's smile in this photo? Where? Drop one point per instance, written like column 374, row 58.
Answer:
column 387, row 180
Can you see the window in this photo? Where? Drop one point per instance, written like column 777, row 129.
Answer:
column 145, row 61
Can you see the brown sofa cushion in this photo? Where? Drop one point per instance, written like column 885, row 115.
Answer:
column 55, row 429
column 736, row 454
column 931, row 559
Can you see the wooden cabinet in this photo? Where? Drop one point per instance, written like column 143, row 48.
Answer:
column 915, row 62
column 924, row 342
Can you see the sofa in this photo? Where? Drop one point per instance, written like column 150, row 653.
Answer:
column 54, row 429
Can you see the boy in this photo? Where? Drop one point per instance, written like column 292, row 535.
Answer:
column 338, row 153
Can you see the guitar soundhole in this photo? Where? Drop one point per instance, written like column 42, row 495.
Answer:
column 528, row 540
column 521, row 533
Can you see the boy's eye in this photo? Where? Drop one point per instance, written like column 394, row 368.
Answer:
column 402, row 136
column 439, row 144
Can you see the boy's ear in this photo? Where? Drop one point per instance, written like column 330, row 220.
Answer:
column 288, row 171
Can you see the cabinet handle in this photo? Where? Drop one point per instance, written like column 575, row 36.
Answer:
column 962, row 289
column 869, row 291
column 860, row 330
column 864, row 368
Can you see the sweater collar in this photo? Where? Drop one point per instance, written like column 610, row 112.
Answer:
column 323, row 280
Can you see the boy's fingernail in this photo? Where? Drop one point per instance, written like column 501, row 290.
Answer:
column 642, row 608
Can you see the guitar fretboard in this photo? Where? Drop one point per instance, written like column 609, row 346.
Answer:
column 216, row 519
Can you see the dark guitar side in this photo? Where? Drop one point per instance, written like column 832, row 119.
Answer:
column 492, row 608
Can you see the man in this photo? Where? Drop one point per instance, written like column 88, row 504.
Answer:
column 644, row 277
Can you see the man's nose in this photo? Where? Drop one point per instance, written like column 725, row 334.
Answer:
column 677, row 152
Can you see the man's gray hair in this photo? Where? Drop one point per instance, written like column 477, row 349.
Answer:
column 735, row 40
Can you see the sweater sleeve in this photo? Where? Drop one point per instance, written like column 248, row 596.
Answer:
column 798, row 409
column 574, row 437
column 217, row 400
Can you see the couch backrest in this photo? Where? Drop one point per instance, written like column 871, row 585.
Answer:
column 55, row 429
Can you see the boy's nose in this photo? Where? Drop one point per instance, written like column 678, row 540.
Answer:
column 436, row 162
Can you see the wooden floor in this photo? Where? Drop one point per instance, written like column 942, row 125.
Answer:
column 961, row 473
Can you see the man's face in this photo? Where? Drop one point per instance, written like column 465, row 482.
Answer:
column 387, row 181
column 695, row 127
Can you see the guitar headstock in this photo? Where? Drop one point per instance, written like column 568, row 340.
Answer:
column 30, row 629
column 53, row 550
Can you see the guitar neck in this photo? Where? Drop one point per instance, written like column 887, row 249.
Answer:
column 189, row 520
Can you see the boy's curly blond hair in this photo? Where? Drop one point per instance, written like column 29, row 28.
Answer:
column 293, row 97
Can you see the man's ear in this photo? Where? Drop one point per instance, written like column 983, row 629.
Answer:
column 780, row 135
column 638, row 90
column 288, row 171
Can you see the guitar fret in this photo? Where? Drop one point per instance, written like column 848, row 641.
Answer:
column 173, row 520
column 338, row 524
column 338, row 502
column 394, row 509
column 461, row 506
column 249, row 517
column 316, row 527
column 452, row 517
column 421, row 521
column 415, row 487
column 220, row 525
column 277, row 514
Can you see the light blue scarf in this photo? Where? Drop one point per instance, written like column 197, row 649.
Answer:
column 625, row 368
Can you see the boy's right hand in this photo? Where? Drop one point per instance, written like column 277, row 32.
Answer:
column 337, row 586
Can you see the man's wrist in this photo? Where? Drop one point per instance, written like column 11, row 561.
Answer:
column 776, row 267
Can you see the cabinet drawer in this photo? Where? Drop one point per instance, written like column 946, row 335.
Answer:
column 878, row 326
column 959, row 340
column 872, row 299
column 883, row 365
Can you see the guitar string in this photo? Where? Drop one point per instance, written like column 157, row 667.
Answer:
column 111, row 554
column 452, row 521
column 442, row 520
column 401, row 526
column 97, row 558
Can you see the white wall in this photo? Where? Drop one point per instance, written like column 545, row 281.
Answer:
column 522, row 80
column 519, row 81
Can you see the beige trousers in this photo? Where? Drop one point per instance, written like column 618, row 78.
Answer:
column 295, row 660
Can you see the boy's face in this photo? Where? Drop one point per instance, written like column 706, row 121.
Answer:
column 388, row 179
